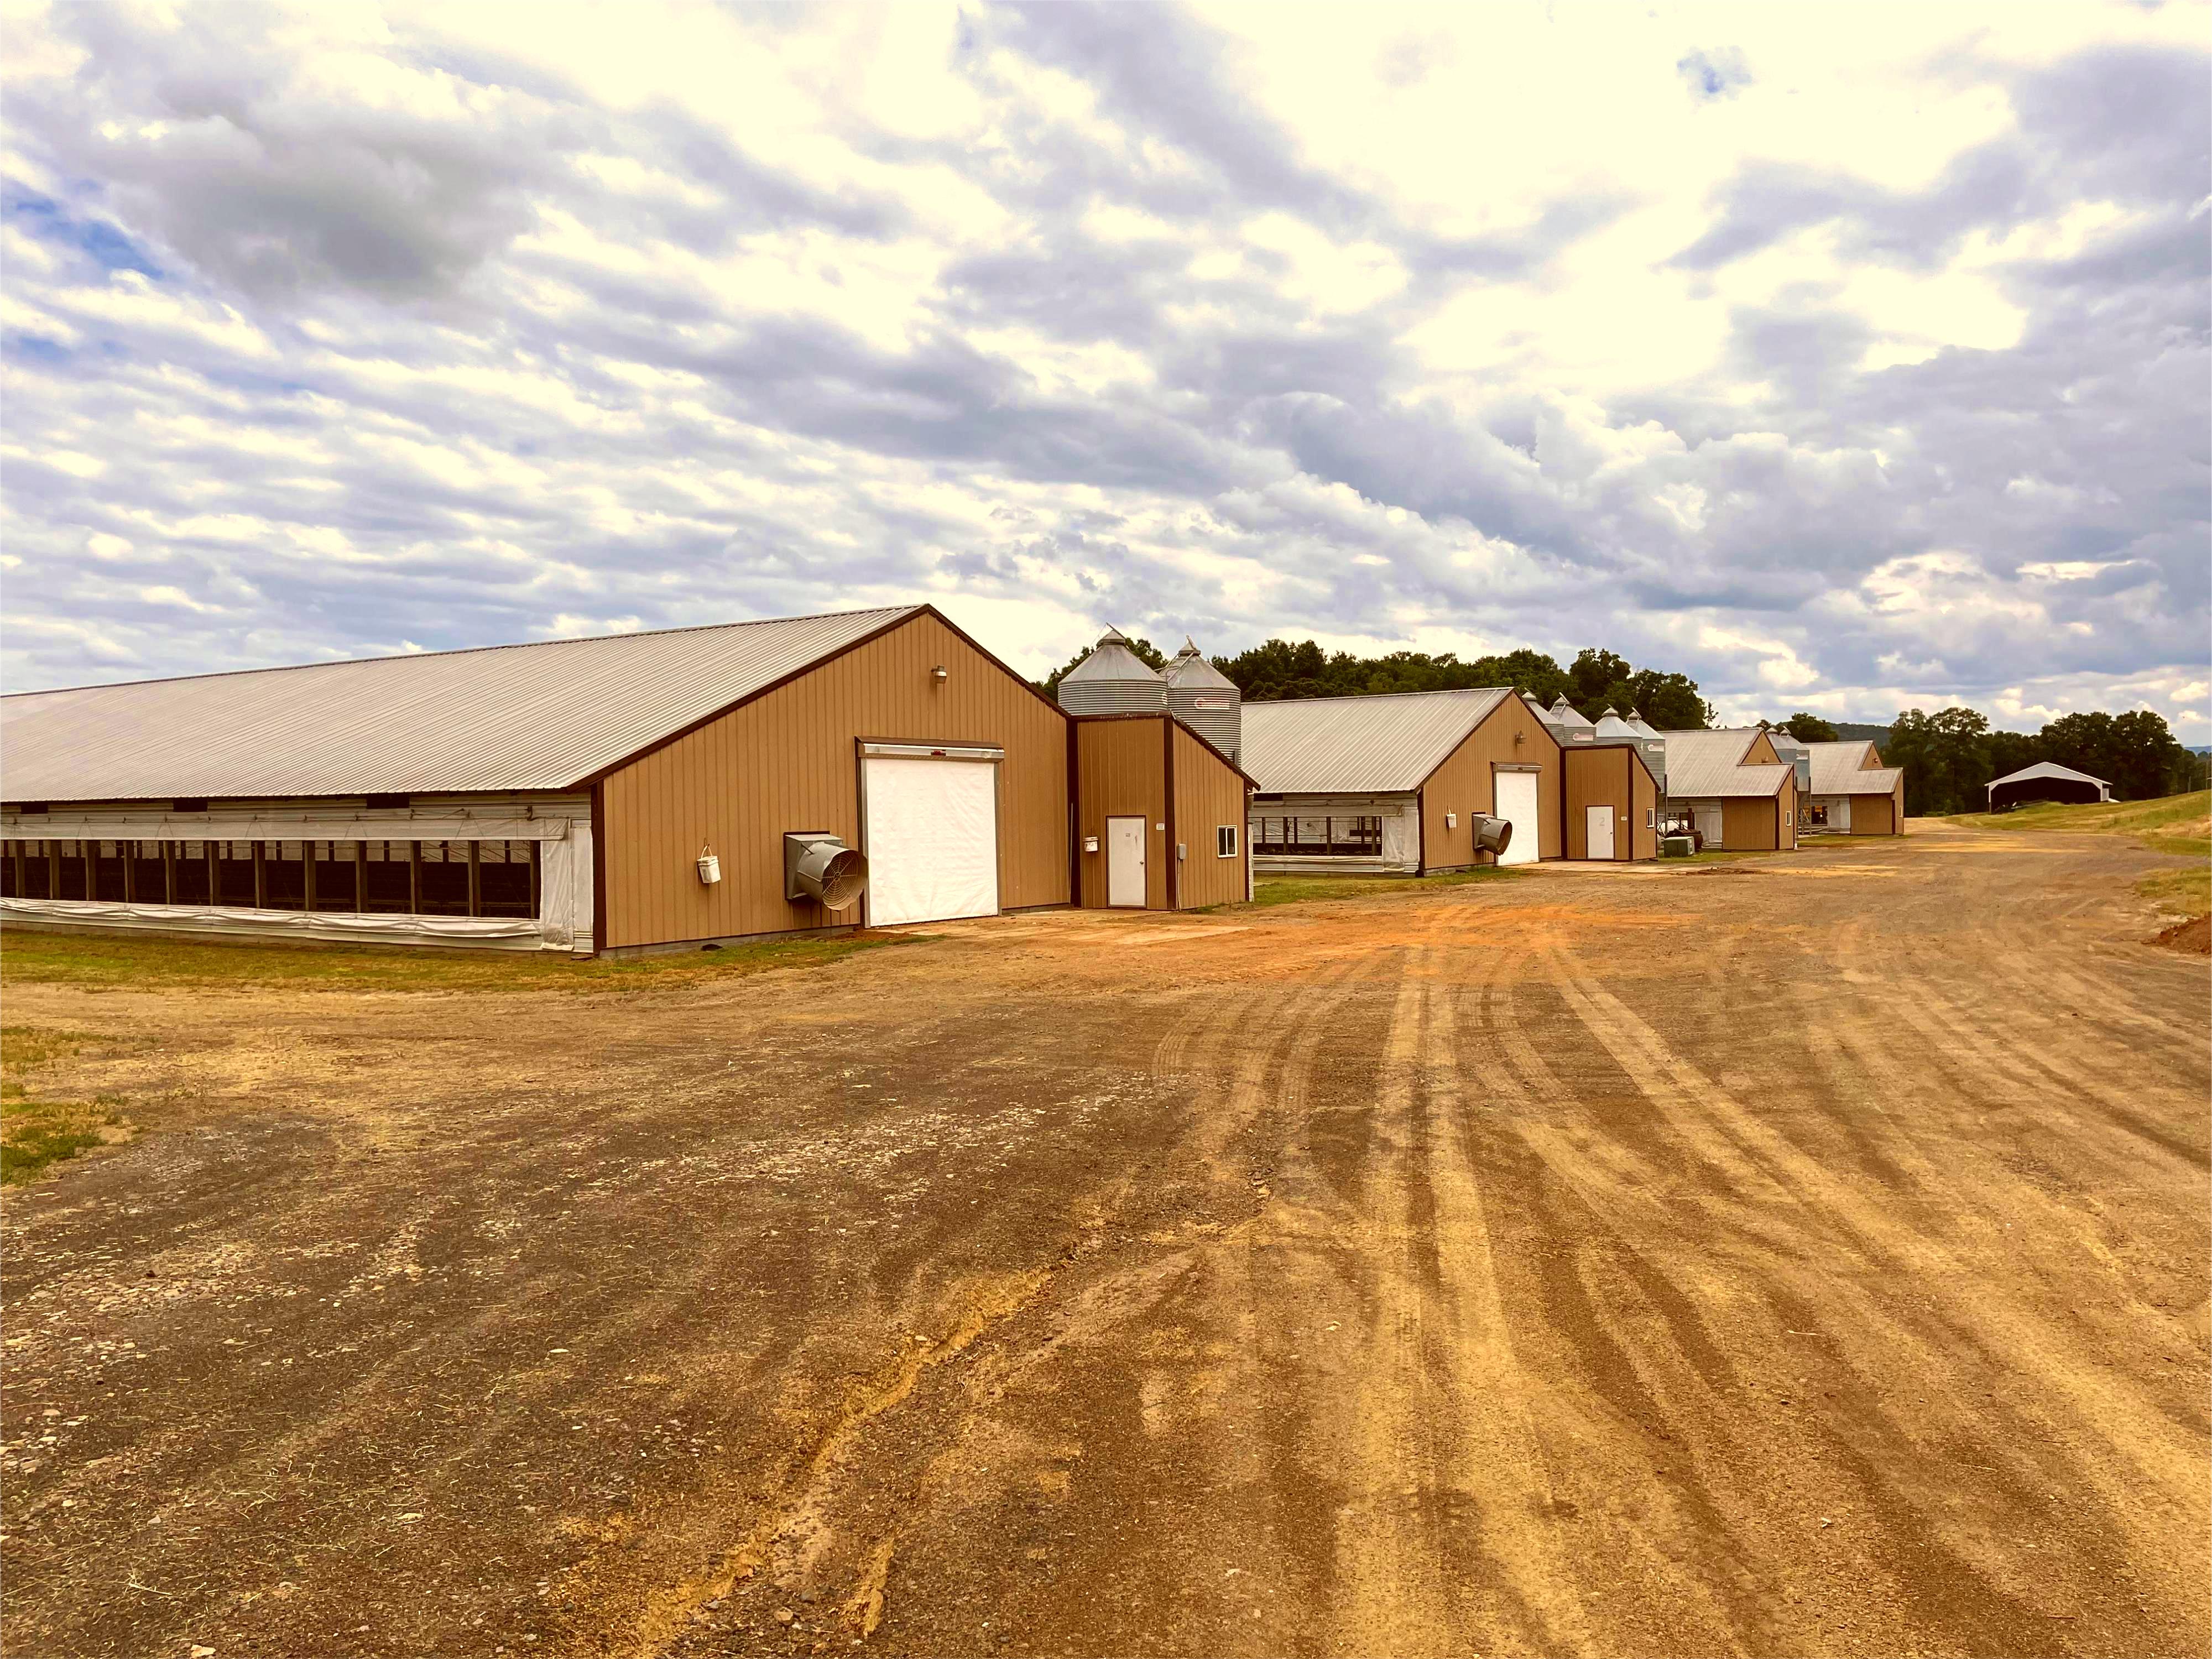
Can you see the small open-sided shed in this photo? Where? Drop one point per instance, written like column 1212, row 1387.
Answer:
column 2045, row 781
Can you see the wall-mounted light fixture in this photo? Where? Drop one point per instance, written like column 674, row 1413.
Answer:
column 938, row 674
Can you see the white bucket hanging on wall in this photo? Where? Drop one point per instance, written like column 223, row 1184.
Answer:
column 710, row 868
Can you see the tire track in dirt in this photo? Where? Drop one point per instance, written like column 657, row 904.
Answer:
column 1501, row 1445
column 1628, row 1342
column 2053, row 1085
column 1225, row 1047
column 2001, row 1216
column 2158, row 1453
column 1736, row 1452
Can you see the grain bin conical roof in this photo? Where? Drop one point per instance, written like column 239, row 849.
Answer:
column 1191, row 670
column 1112, row 680
column 1205, row 699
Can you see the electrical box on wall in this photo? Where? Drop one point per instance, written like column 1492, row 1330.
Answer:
column 1090, row 843
column 1451, row 820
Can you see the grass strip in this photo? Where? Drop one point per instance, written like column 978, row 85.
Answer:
column 1299, row 890
column 133, row 962
column 36, row 1134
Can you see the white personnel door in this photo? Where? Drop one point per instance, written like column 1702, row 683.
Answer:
column 1125, row 863
column 1516, row 802
column 1708, row 821
column 933, row 839
column 1598, row 820
column 1839, row 812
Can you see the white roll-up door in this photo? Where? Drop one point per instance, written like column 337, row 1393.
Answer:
column 1516, row 801
column 933, row 839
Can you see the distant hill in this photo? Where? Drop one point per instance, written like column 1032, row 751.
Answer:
column 1847, row 732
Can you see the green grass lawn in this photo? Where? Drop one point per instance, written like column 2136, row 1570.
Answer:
column 37, row 1134
column 112, row 961
column 2178, row 824
column 1296, row 889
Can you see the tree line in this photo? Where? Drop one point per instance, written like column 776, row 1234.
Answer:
column 1596, row 680
column 1949, row 757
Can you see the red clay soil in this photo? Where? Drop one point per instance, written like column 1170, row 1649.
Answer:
column 1812, row 1260
column 2193, row 936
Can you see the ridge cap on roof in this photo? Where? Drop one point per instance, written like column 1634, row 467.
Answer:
column 1372, row 697
column 470, row 650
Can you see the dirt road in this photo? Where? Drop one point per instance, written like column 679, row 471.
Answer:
column 1801, row 1257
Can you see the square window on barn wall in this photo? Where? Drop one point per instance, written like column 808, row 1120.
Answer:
column 1224, row 842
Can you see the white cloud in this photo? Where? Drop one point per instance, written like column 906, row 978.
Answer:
column 1455, row 328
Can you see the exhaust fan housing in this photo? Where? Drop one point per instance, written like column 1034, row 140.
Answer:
column 818, row 867
column 1493, row 835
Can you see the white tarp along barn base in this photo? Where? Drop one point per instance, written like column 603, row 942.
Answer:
column 500, row 933
column 564, row 921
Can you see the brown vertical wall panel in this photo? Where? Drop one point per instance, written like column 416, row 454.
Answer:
column 1873, row 815
column 1121, row 772
column 1748, row 823
column 1615, row 777
column 1644, row 809
column 789, row 760
column 1209, row 794
column 1463, row 785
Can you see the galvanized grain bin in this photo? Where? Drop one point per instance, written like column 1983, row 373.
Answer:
column 1205, row 699
column 1113, row 680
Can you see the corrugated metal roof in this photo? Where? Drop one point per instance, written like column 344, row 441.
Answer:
column 1839, row 769
column 2048, row 769
column 1703, row 765
column 1359, row 745
column 542, row 716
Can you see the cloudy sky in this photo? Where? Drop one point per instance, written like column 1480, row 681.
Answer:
column 1845, row 357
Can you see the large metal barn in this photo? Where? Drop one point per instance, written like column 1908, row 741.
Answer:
column 641, row 792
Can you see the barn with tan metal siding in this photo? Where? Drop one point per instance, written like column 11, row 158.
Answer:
column 1395, row 783
column 1612, row 804
column 1851, row 792
column 636, row 793
column 1153, row 797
